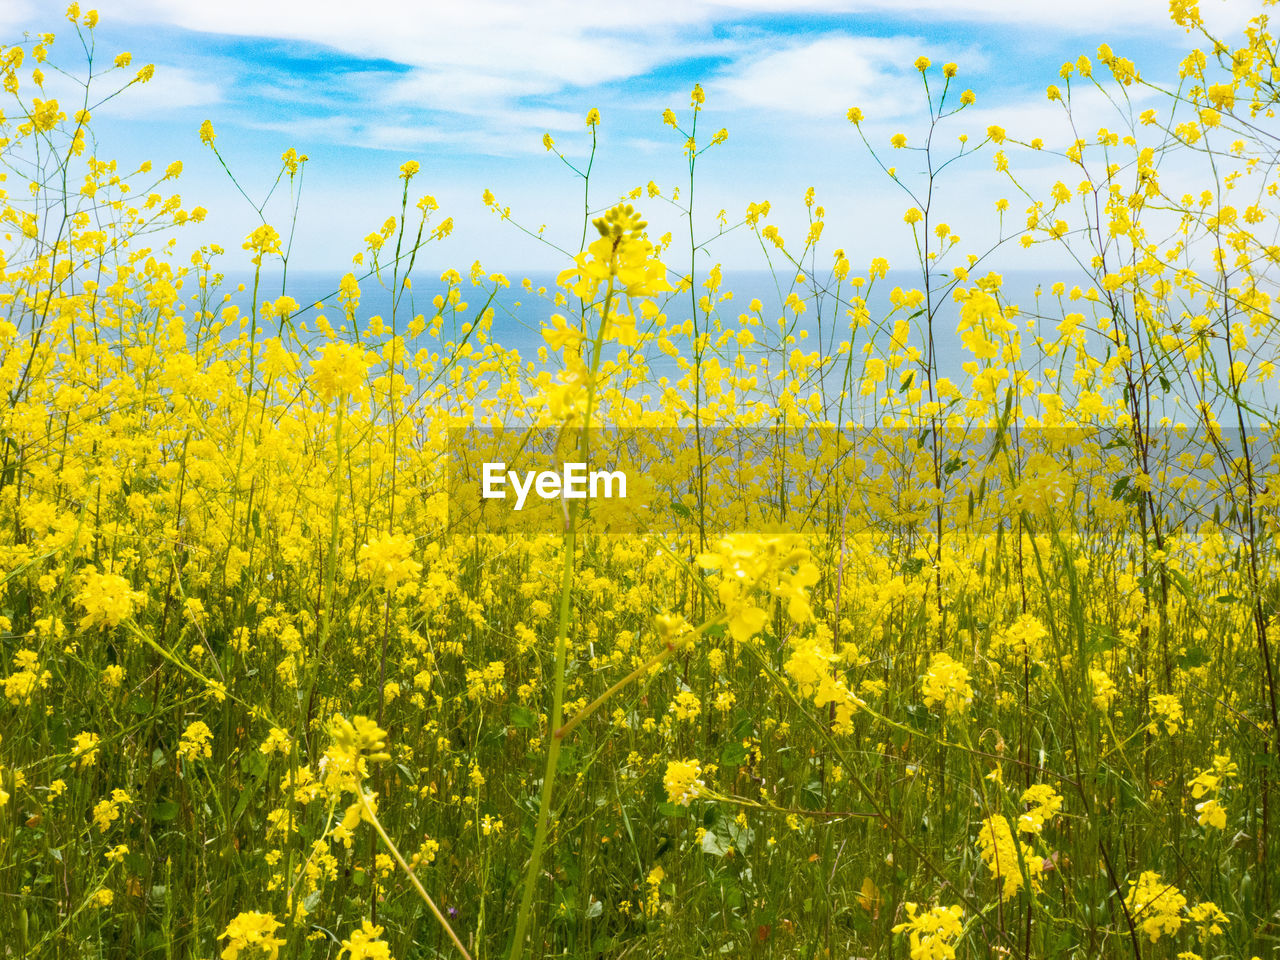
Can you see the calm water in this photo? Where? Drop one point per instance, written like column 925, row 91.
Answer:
column 520, row 314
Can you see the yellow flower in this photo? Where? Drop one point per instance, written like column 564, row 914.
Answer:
column 254, row 932
column 1221, row 95
column 207, row 134
column 1104, row 690
column 1168, row 713
column 946, row 683
column 107, row 599
column 1000, row 852
column 264, row 239
column 681, row 781
column 85, row 749
column 365, row 945
column 1156, row 906
column 922, row 63
column 355, row 742
column 1208, row 919
column 854, row 115
column 898, row 140
column 932, row 933
column 593, row 117
column 106, row 812
column 1044, row 803
column 622, row 252
column 195, row 742
column 386, row 561
column 292, row 159
column 339, row 371
column 1211, row 814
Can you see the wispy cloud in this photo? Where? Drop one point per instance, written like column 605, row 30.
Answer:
column 173, row 88
column 823, row 77
column 468, row 87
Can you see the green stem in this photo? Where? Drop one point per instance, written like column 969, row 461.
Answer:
column 553, row 751
column 562, row 636
column 413, row 877
column 331, row 561
column 598, row 702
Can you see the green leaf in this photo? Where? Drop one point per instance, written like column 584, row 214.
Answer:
column 733, row 755
column 714, row 844
column 164, row 811
column 1194, row 657
column 255, row 764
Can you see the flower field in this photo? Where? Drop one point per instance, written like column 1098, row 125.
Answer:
column 936, row 623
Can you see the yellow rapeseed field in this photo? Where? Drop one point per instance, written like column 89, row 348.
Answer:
column 877, row 659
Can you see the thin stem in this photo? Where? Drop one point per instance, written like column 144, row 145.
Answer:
column 413, row 878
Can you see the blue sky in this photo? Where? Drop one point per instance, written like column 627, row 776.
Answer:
column 468, row 89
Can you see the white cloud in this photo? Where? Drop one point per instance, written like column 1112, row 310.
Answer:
column 824, row 77
column 1078, row 17
column 481, row 58
column 172, row 88
column 1091, row 109
column 523, row 46
column 15, row 14
column 496, row 50
column 489, row 64
column 489, row 59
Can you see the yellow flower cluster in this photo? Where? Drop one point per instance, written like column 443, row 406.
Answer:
column 1156, row 906
column 932, row 933
column 253, row 932
column 365, row 944
column 745, row 562
column 387, row 561
column 1208, row 784
column 107, row 599
column 681, row 781
column 946, row 684
column 1005, row 857
column 195, row 742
